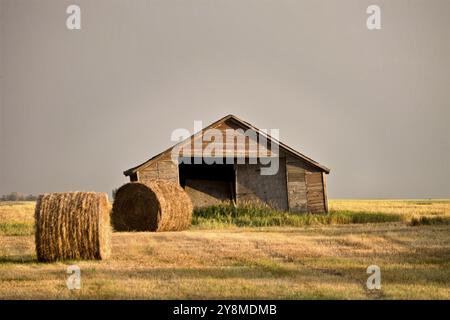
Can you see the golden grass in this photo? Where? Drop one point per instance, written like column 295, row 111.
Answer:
column 409, row 208
column 314, row 262
column 17, row 212
column 280, row 263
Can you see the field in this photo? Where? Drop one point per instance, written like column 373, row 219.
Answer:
column 231, row 256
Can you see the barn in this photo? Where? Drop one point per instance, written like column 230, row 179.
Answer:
column 298, row 185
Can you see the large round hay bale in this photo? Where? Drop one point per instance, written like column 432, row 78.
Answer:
column 72, row 226
column 152, row 206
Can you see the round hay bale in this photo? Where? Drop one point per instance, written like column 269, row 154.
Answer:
column 152, row 206
column 72, row 226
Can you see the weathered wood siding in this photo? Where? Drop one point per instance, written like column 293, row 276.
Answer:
column 251, row 186
column 305, row 187
column 314, row 193
column 239, row 145
column 296, row 185
column 163, row 169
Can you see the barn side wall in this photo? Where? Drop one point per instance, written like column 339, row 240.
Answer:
column 305, row 186
column 296, row 185
column 251, row 186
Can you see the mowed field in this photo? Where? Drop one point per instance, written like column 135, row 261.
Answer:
column 225, row 261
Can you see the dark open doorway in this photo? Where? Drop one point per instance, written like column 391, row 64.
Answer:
column 208, row 184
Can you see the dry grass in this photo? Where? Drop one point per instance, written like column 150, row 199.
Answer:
column 409, row 208
column 17, row 218
column 73, row 225
column 331, row 263
column 438, row 220
column 17, row 212
column 313, row 262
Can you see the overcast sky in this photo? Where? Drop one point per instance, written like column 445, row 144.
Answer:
column 79, row 107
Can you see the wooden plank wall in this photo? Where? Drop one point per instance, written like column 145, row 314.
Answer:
column 314, row 193
column 296, row 185
column 163, row 169
column 305, row 187
column 243, row 146
column 251, row 186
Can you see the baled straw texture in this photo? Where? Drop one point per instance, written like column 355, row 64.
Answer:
column 72, row 226
column 158, row 205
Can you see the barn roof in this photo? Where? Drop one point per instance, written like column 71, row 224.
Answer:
column 243, row 124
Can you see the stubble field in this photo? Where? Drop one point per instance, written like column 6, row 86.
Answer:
column 315, row 261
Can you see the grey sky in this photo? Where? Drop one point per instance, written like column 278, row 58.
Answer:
column 79, row 107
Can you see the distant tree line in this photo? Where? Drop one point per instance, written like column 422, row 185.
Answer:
column 17, row 196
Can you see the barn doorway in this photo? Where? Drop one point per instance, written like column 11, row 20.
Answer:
column 208, row 184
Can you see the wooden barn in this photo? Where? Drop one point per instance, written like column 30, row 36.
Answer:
column 298, row 185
